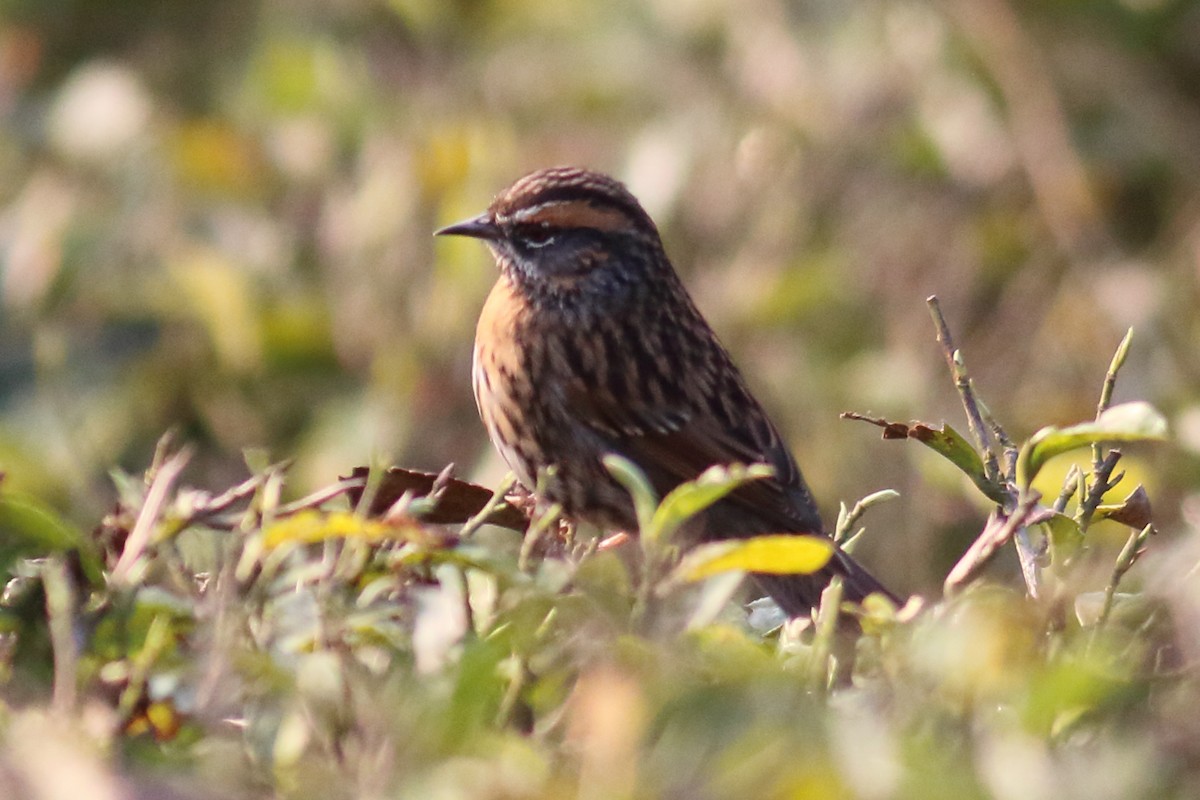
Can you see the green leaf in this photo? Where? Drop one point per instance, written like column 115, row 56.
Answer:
column 1127, row 422
column 1089, row 607
column 689, row 499
column 946, row 442
column 634, row 480
column 775, row 554
column 951, row 445
column 1065, row 537
column 26, row 522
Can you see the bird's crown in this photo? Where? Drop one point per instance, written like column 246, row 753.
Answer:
column 570, row 197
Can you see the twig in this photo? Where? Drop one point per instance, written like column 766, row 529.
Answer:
column 60, row 615
column 152, row 509
column 320, row 497
column 497, row 499
column 962, row 381
column 227, row 498
column 374, row 479
column 1110, row 378
column 1070, row 486
column 1106, row 391
column 205, row 508
column 159, row 636
column 440, row 484
column 824, row 635
column 1007, row 445
column 999, row 529
column 162, row 450
column 1028, row 555
column 847, row 520
column 1130, row 553
column 512, row 693
column 536, row 529
column 1098, row 487
column 401, row 507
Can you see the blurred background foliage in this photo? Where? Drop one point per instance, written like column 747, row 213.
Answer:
column 217, row 216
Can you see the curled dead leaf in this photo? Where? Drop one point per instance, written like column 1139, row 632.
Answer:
column 457, row 500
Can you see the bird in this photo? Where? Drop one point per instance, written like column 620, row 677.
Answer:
column 589, row 345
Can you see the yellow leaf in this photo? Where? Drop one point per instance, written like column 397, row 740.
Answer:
column 776, row 554
column 307, row 527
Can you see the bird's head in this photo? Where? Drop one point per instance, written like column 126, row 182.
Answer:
column 567, row 230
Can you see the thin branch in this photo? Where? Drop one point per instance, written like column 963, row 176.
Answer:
column 847, row 520
column 1133, row 549
column 205, row 508
column 1029, row 555
column 156, row 499
column 1099, row 486
column 510, row 700
column 999, row 529
column 320, row 497
column 497, row 499
column 962, row 381
column 536, row 528
column 1070, row 486
column 60, row 615
column 1009, row 448
column 1110, row 378
column 820, row 672
column 1106, row 391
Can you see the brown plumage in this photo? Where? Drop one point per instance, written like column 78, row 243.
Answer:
column 589, row 344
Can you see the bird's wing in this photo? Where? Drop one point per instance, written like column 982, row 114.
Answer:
column 672, row 446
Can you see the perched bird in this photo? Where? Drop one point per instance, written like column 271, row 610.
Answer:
column 589, row 344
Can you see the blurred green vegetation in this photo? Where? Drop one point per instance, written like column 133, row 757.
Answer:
column 216, row 217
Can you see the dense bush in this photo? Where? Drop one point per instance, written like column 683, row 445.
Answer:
column 215, row 218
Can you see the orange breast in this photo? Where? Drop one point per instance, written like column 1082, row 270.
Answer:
column 499, row 376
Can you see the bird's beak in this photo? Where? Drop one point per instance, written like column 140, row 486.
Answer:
column 481, row 227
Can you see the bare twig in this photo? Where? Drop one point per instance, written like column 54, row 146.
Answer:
column 1030, row 557
column 497, row 500
column 1110, row 378
column 999, row 529
column 223, row 501
column 848, row 519
column 536, row 528
column 60, row 614
column 1100, row 484
column 510, row 700
column 374, row 479
column 162, row 451
column 1106, row 391
column 1133, row 549
column 824, row 636
column 1007, row 445
column 962, row 381
column 156, row 499
column 401, row 507
column 206, row 508
column 320, row 497
column 440, row 483
column 1070, row 486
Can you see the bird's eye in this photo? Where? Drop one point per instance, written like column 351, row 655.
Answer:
column 538, row 236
